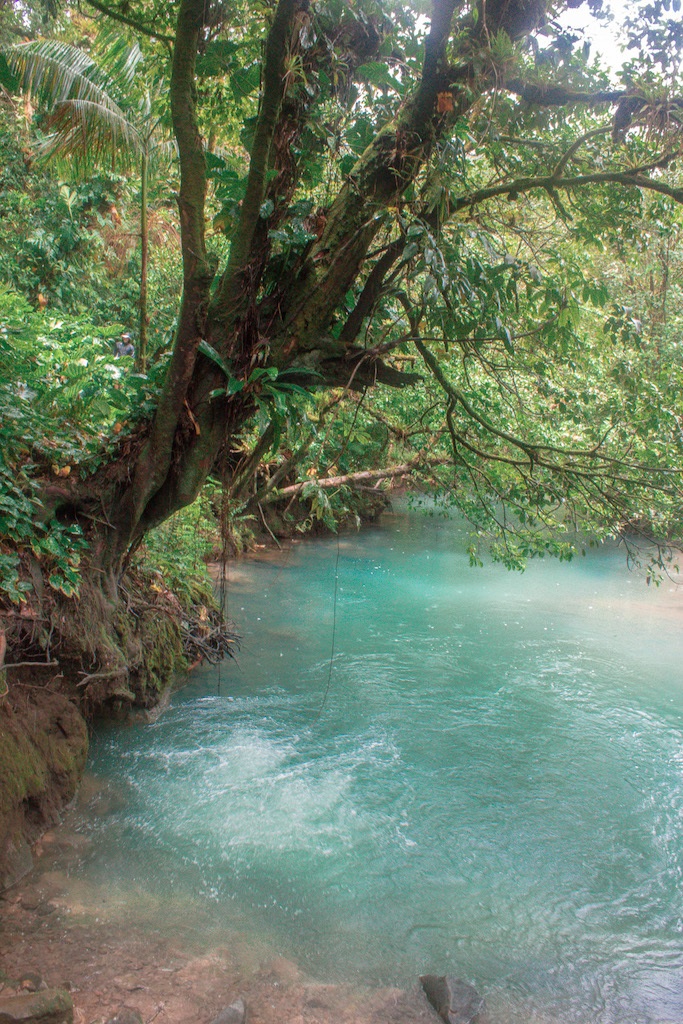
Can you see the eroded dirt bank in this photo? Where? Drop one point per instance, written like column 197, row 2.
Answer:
column 43, row 750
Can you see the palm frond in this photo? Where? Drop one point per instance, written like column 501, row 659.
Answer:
column 161, row 152
column 56, row 71
column 85, row 134
column 119, row 55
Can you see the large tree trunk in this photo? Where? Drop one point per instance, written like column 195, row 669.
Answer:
column 193, row 427
column 226, row 323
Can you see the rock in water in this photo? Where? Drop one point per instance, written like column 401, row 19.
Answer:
column 126, row 1016
column 32, row 982
column 236, row 1013
column 18, row 860
column 50, row 1007
column 454, row 1000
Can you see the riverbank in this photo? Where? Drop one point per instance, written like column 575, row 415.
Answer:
column 76, row 937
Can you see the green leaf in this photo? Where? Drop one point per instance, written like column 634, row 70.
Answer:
column 245, row 81
column 210, row 352
column 217, row 58
column 8, row 80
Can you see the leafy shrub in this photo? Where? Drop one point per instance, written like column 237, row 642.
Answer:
column 61, row 393
column 178, row 550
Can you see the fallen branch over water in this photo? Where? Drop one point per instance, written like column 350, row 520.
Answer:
column 388, row 473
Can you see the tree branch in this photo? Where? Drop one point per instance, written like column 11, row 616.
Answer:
column 230, row 294
column 378, row 179
column 372, row 289
column 153, row 464
column 635, row 178
column 557, row 96
column 133, row 23
column 330, row 482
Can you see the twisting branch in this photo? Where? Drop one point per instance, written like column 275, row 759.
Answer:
column 125, row 19
column 635, row 178
column 456, row 396
column 575, row 147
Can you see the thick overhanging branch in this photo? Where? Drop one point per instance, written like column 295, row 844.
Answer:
column 362, row 477
column 359, row 368
column 550, row 95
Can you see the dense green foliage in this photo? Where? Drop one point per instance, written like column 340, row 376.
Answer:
column 506, row 262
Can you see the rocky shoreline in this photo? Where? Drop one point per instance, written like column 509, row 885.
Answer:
column 97, row 970
column 78, row 952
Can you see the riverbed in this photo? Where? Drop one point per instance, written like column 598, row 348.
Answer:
column 413, row 766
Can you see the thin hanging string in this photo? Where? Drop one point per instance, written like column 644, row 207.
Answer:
column 336, row 572
column 224, row 564
column 334, row 636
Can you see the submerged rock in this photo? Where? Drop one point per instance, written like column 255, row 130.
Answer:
column 126, row 1016
column 454, row 1000
column 17, row 861
column 32, row 982
column 53, row 1006
column 236, row 1013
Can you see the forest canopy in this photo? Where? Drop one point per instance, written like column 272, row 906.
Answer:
column 435, row 243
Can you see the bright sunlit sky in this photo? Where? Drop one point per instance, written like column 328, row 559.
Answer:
column 604, row 37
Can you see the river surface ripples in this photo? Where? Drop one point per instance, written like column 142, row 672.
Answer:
column 488, row 782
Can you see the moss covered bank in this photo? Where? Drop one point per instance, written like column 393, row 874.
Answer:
column 98, row 661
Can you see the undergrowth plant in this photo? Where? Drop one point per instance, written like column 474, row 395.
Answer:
column 175, row 555
column 62, row 392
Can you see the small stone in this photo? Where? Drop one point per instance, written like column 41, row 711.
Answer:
column 130, row 982
column 49, row 1007
column 32, row 982
column 126, row 1016
column 45, row 909
column 30, row 899
column 283, row 970
column 236, row 1013
column 454, row 1000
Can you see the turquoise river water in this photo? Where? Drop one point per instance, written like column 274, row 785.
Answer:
column 491, row 784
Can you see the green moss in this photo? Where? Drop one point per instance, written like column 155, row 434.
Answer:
column 21, row 772
column 43, row 749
